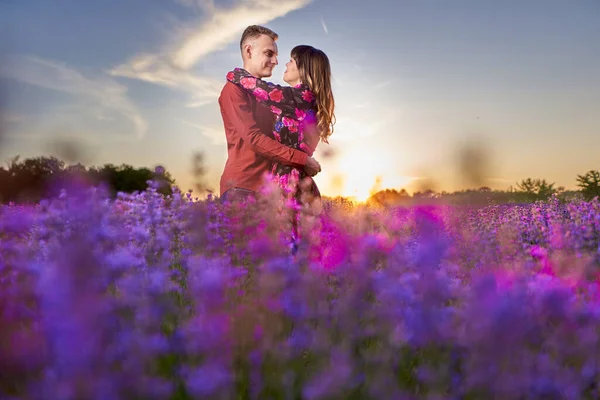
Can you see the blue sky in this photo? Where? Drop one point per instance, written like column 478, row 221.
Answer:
column 137, row 82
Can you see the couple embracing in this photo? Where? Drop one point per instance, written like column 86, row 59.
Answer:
column 273, row 130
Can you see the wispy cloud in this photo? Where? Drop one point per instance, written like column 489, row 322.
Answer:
column 224, row 26
column 215, row 135
column 324, row 26
column 218, row 27
column 208, row 5
column 158, row 69
column 98, row 96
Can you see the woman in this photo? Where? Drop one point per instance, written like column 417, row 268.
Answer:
column 304, row 114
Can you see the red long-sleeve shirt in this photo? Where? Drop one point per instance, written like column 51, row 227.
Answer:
column 251, row 150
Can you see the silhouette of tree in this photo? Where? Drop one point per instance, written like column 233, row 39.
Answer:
column 127, row 179
column 426, row 194
column 536, row 189
column 27, row 180
column 32, row 179
column 589, row 184
column 389, row 197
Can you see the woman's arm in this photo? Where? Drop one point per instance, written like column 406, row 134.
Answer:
column 309, row 138
column 283, row 100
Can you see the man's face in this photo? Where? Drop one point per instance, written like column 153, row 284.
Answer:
column 263, row 57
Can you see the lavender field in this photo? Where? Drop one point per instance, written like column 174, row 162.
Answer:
column 147, row 297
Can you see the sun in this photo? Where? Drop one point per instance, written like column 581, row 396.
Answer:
column 361, row 189
column 364, row 174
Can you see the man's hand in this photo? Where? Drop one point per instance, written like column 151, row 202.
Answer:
column 312, row 167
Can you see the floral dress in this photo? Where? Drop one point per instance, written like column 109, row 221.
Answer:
column 295, row 111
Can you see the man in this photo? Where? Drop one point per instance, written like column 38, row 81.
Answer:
column 248, row 126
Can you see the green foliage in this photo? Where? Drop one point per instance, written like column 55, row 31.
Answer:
column 589, row 184
column 30, row 180
column 536, row 189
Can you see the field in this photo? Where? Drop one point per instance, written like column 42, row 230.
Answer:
column 148, row 297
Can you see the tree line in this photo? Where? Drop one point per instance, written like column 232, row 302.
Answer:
column 32, row 179
column 526, row 191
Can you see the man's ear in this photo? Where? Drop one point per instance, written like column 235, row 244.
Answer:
column 247, row 51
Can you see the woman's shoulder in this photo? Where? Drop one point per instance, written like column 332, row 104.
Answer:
column 307, row 94
column 301, row 86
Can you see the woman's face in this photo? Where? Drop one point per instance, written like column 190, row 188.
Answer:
column 291, row 75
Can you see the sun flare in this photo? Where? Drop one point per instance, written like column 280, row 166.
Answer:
column 362, row 188
column 362, row 175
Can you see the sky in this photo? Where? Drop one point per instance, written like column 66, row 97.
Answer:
column 137, row 82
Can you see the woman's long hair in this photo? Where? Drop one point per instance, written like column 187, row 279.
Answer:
column 315, row 72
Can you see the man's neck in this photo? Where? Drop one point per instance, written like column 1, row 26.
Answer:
column 251, row 71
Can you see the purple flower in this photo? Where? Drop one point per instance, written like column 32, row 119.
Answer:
column 209, row 380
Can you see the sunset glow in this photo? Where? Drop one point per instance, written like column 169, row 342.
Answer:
column 360, row 171
column 361, row 190
column 142, row 88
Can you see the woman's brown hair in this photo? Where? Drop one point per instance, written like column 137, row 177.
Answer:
column 315, row 71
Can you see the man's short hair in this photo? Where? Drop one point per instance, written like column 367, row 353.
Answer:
column 254, row 32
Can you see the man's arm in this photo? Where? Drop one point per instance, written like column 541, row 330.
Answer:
column 236, row 110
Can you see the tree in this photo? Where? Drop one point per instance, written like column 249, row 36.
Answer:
column 389, row 197
column 536, row 189
column 589, row 184
column 28, row 180
column 32, row 179
column 125, row 178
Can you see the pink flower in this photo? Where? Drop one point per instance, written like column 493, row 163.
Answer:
column 288, row 122
column 304, row 148
column 384, row 242
column 276, row 95
column 307, row 96
column 291, row 124
column 538, row 252
column 332, row 253
column 230, row 76
column 275, row 110
column 284, row 180
column 248, row 82
column 261, row 94
column 300, row 114
column 277, row 136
